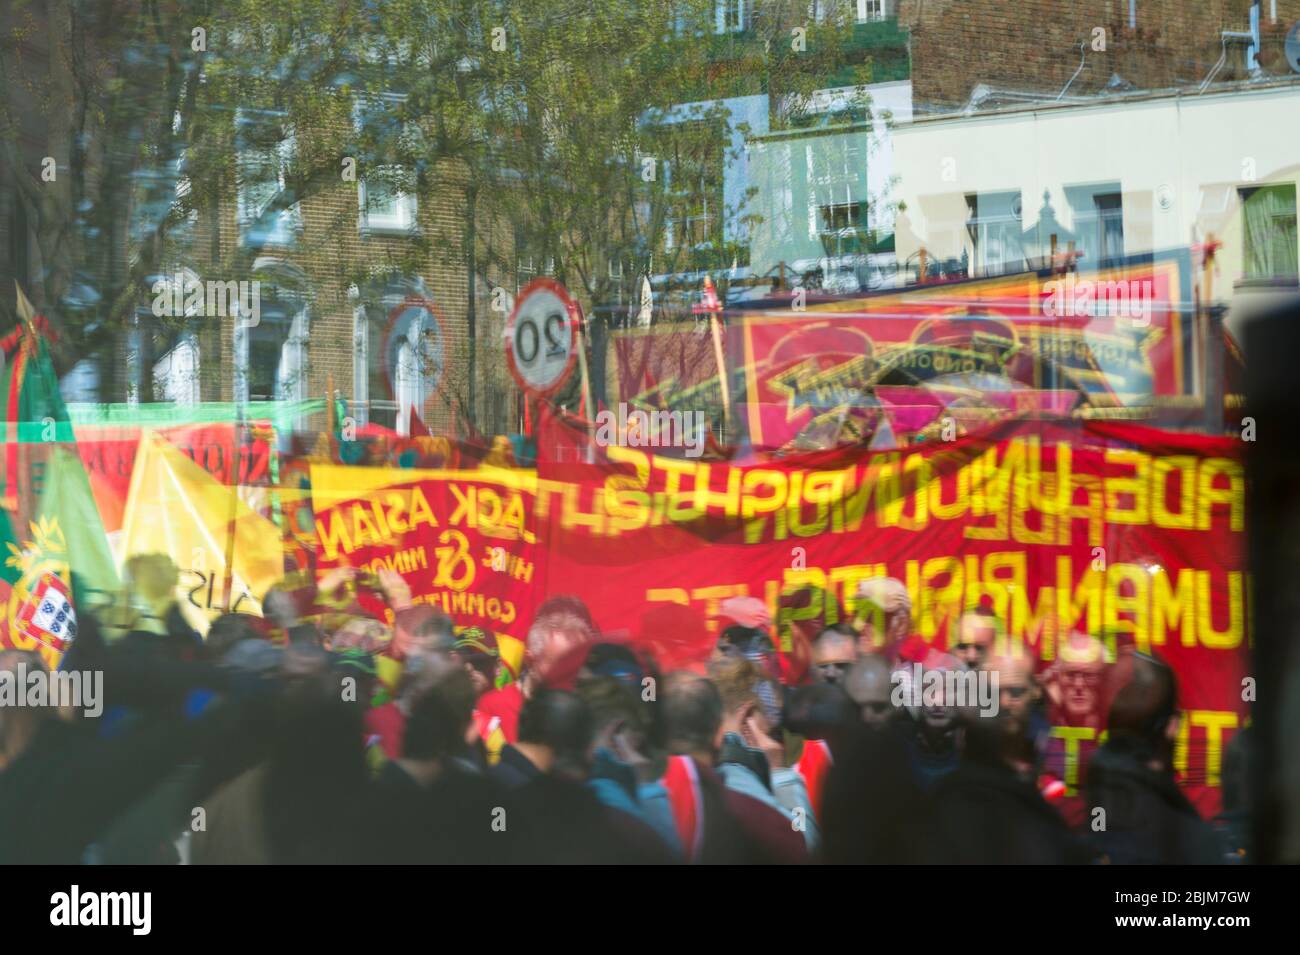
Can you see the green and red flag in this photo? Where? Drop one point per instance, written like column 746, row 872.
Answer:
column 52, row 541
column 34, row 411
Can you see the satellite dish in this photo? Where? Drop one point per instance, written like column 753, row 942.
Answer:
column 1293, row 47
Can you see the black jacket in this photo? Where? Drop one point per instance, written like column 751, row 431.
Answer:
column 1147, row 818
column 986, row 814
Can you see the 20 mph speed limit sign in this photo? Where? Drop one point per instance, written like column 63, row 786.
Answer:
column 542, row 336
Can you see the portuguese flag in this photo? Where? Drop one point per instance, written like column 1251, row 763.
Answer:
column 51, row 535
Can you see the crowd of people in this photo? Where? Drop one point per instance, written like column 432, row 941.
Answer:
column 330, row 737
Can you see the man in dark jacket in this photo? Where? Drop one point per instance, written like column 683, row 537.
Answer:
column 989, row 810
column 1139, row 815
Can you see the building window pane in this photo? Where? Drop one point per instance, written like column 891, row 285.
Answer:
column 1269, row 226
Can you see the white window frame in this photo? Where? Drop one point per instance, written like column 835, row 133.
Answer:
column 288, row 224
column 722, row 11
column 870, row 11
column 400, row 220
column 403, row 215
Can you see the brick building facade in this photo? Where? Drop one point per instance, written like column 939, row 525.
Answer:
column 1034, row 45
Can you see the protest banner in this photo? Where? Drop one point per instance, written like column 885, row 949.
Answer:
column 1124, row 532
column 463, row 540
column 809, row 370
column 1119, row 531
column 1031, row 342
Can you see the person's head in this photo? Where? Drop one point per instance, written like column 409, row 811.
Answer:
column 620, row 722
column 280, row 608
column 1076, row 687
column 422, row 629
column 833, row 653
column 306, row 633
column 253, row 655
column 884, row 614
column 309, row 663
column 561, row 625
column 1017, row 689
column 754, row 644
column 938, row 714
column 1144, row 714
column 976, row 633
column 869, row 686
column 438, row 724
column 741, row 685
column 739, row 640
column 153, row 578
column 358, row 666
column 361, row 633
column 419, row 673
column 692, row 712
column 228, row 630
column 477, row 650
column 559, row 723
column 614, row 660
column 821, row 711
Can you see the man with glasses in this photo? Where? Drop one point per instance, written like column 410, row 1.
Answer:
column 1074, row 686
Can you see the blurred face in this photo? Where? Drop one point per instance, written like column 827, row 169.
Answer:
column 1080, row 689
column 832, row 657
column 556, row 644
column 421, row 643
column 895, row 629
column 938, row 717
column 974, row 640
column 870, row 690
column 1015, row 690
column 478, row 678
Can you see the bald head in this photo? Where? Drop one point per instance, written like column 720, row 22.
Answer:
column 833, row 652
column 868, row 684
column 976, row 634
column 1017, row 689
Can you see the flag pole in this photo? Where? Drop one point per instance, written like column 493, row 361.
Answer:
column 590, row 414
column 713, row 306
column 716, row 327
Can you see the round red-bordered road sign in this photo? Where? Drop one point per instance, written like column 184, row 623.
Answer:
column 541, row 336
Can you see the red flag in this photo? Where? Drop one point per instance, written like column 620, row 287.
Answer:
column 708, row 299
column 418, row 429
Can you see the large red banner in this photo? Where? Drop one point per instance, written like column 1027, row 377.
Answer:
column 1122, row 532
column 1118, row 531
column 1040, row 342
column 462, row 540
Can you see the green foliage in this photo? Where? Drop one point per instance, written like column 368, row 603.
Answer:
column 534, row 120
